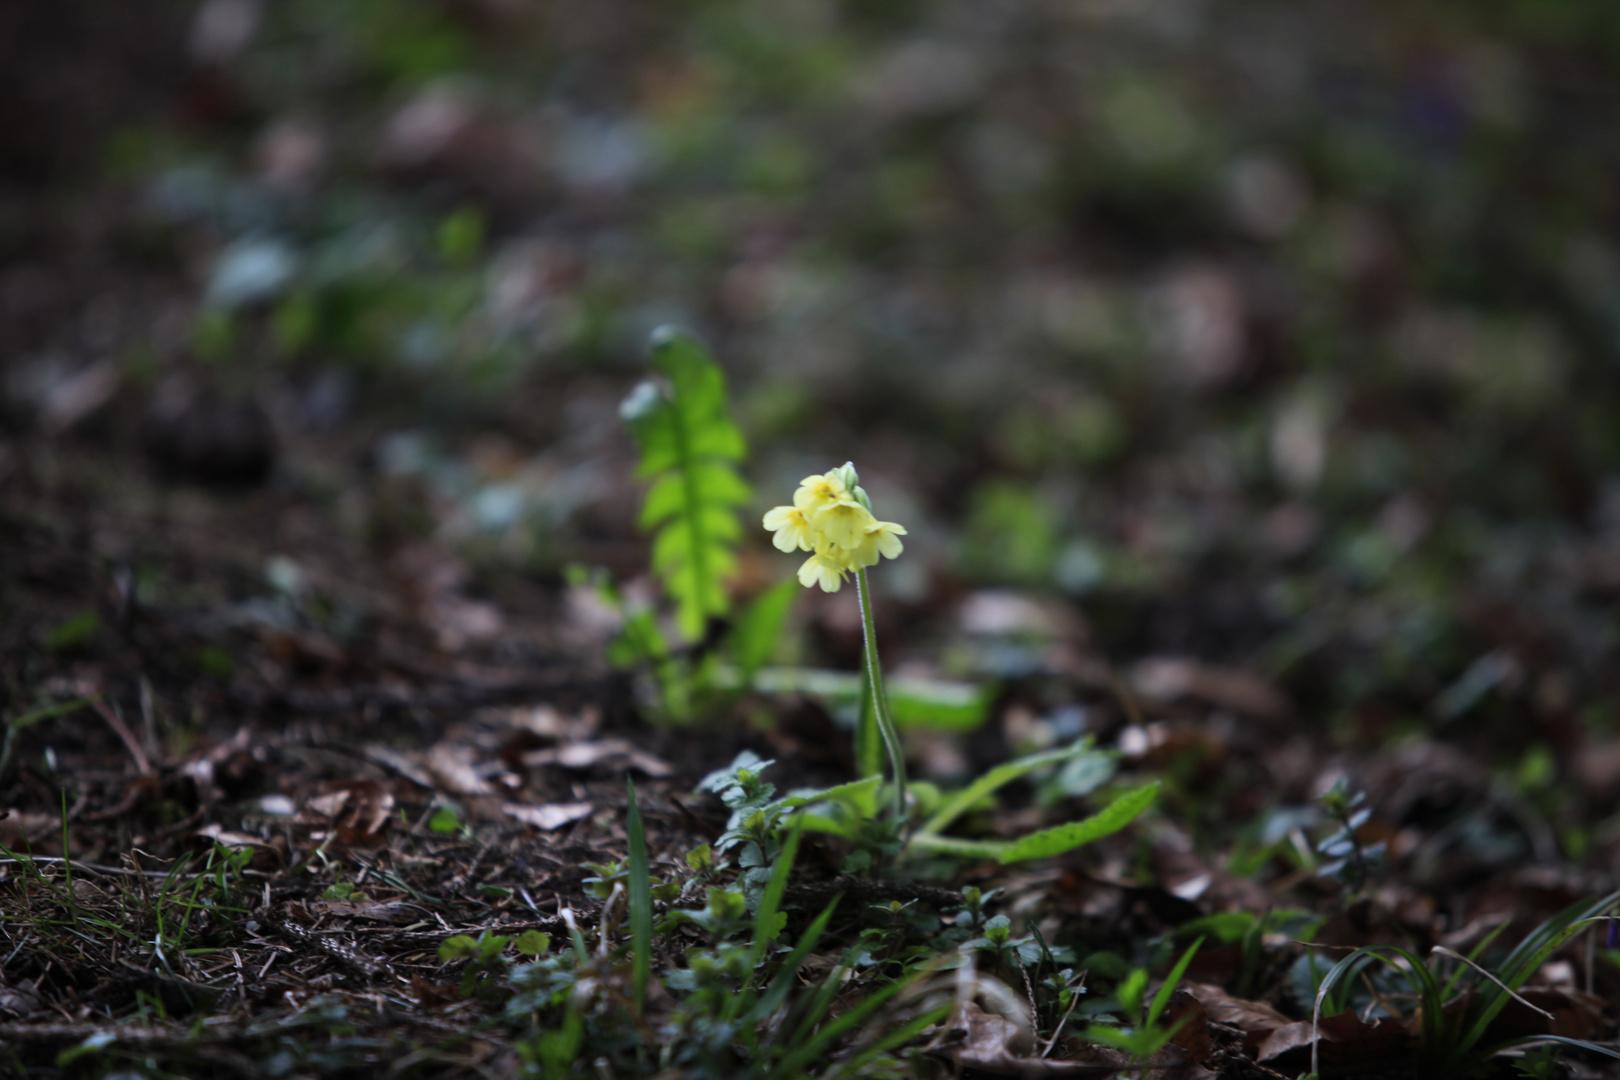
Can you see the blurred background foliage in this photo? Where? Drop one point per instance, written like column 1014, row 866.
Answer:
column 1281, row 335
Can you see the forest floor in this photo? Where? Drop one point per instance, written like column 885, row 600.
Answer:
column 1246, row 382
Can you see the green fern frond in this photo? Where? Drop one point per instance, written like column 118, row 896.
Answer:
column 688, row 443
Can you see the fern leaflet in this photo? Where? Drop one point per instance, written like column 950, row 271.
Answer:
column 688, row 444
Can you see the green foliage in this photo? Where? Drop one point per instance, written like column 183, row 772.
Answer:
column 444, row 820
column 1349, row 861
column 850, row 811
column 1455, row 1013
column 688, row 446
column 1142, row 1035
column 73, row 632
column 737, row 1005
column 759, row 628
column 486, row 970
column 689, row 451
column 1121, row 811
column 915, row 702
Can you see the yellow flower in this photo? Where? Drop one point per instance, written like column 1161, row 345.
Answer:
column 842, row 522
column 823, row 569
column 818, row 491
column 791, row 527
column 831, row 517
column 881, row 538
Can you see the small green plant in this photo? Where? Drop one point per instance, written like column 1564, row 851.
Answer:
column 1142, row 1035
column 735, row 1005
column 850, row 811
column 831, row 518
column 1349, row 861
column 690, row 449
column 486, row 967
column 1455, row 1013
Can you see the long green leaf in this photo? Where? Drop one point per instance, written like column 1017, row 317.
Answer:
column 770, row 901
column 1000, row 776
column 922, row 703
column 1168, row 988
column 899, row 1037
column 796, row 1061
column 773, row 998
column 758, row 629
column 1526, row 959
column 1061, row 838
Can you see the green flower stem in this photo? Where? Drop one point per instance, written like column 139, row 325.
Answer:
column 880, row 700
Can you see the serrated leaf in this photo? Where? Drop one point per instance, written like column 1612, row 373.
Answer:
column 1061, row 838
column 687, row 443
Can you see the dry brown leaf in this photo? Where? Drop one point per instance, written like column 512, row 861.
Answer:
column 1345, row 1038
column 1167, row 678
column 359, row 808
column 1187, row 1015
column 1255, row 1019
column 589, row 755
column 453, row 768
column 548, row 816
column 983, row 1042
column 395, row 912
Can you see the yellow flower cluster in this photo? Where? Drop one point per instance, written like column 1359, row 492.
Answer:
column 831, row 517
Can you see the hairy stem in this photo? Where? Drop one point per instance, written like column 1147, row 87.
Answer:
column 880, row 700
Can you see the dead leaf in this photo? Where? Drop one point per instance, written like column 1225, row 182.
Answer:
column 1187, row 1015
column 452, row 766
column 983, row 1041
column 1345, row 1038
column 266, row 854
column 395, row 912
column 1255, row 1019
column 362, row 808
column 549, row 816
column 1166, row 678
column 589, row 755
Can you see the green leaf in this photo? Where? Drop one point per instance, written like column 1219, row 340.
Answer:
column 73, row 632
column 1000, row 776
column 1060, row 838
column 1168, row 987
column 755, row 636
column 687, row 443
column 859, row 794
column 787, row 973
column 930, row 703
column 456, row 947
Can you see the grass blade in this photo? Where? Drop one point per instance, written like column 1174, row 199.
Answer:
column 899, row 1037
column 1162, row 998
column 796, row 1062
column 778, row 992
column 770, row 901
